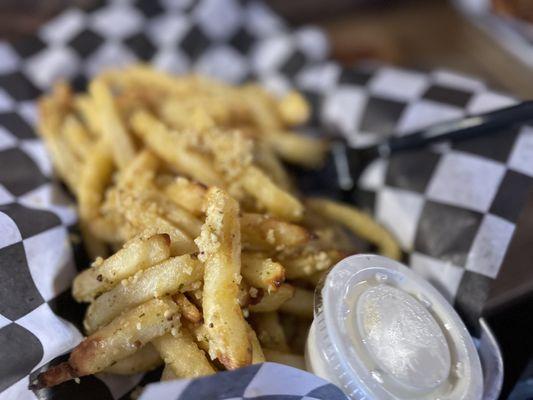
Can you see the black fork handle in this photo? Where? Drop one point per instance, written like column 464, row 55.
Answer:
column 349, row 162
column 460, row 129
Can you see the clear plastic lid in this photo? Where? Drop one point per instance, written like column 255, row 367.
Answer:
column 382, row 332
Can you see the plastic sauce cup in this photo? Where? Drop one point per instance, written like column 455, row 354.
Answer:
column 381, row 332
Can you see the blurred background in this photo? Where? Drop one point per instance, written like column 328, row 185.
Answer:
column 487, row 39
column 463, row 35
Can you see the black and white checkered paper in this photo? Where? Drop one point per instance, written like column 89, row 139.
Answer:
column 247, row 384
column 452, row 207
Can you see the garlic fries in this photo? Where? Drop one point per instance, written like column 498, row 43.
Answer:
column 214, row 248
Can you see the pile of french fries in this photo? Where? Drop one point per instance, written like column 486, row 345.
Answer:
column 205, row 255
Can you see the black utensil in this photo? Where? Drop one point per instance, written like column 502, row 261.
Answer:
column 344, row 165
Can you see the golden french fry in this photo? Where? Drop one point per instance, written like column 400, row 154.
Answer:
column 180, row 243
column 269, row 331
column 182, row 355
column 85, row 107
column 76, row 137
column 300, row 304
column 95, row 175
column 143, row 215
column 165, row 278
column 117, row 340
column 294, row 109
column 263, row 108
column 298, row 149
column 274, row 300
column 172, row 148
column 257, row 352
column 143, row 190
column 147, row 77
column 129, row 101
column 219, row 109
column 360, row 223
column 67, row 165
column 181, row 116
column 63, row 94
column 144, row 164
column 232, row 151
column 268, row 161
column 261, row 272
column 143, row 360
column 306, row 265
column 277, row 201
column 113, row 129
column 292, row 360
column 188, row 310
column 219, row 244
column 262, row 232
column 136, row 255
column 188, row 194
column 177, row 215
column 109, row 228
